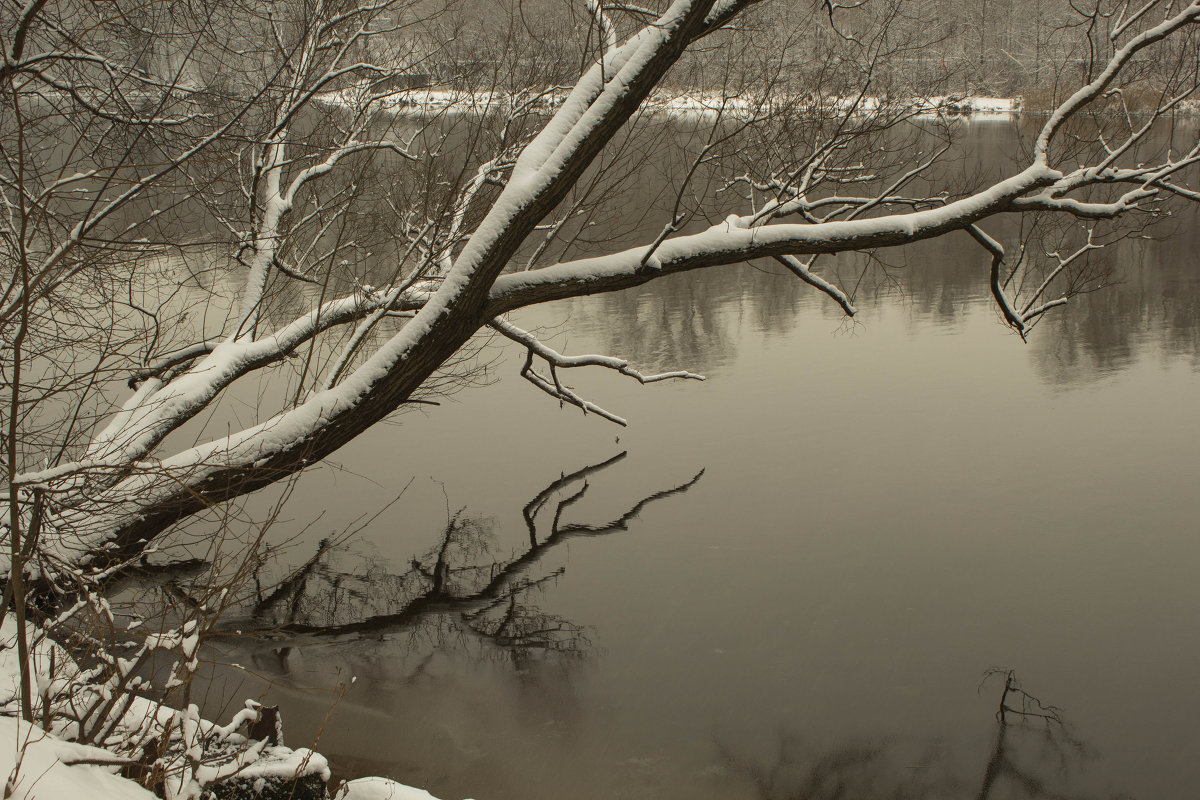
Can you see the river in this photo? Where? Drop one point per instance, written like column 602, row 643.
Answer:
column 888, row 509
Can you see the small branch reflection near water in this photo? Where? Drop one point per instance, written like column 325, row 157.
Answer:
column 457, row 592
column 1034, row 756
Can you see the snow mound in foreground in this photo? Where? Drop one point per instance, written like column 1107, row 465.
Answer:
column 38, row 766
column 379, row 789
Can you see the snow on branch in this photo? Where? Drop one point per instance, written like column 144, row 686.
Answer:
column 732, row 241
column 1029, row 311
column 791, row 191
column 803, row 270
column 161, row 367
column 1022, row 317
column 554, row 387
column 468, row 286
column 167, row 396
column 1149, row 181
column 607, row 31
column 1189, row 15
column 1011, row 315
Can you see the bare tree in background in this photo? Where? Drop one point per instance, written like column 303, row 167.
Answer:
column 199, row 194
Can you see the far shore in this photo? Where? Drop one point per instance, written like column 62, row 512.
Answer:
column 700, row 104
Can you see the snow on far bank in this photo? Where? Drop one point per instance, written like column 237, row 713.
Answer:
column 684, row 104
column 442, row 101
column 693, row 103
column 710, row 104
column 970, row 106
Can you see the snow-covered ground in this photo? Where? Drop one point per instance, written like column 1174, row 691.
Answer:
column 379, row 789
column 972, row 106
column 40, row 764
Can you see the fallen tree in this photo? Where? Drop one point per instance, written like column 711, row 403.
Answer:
column 288, row 159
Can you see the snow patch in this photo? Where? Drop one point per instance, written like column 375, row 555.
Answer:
column 379, row 789
column 37, row 766
column 683, row 103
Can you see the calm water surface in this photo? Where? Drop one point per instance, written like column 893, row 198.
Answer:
column 887, row 510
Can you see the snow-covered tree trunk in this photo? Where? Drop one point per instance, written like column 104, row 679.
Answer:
column 455, row 272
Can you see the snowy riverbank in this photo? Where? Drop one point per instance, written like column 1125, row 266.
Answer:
column 175, row 751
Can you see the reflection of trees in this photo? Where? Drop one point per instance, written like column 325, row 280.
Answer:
column 1018, row 715
column 698, row 321
column 459, row 589
column 861, row 772
column 1031, row 757
column 1157, row 303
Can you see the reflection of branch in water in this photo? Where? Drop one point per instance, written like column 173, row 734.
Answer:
column 289, row 592
column 457, row 588
column 853, row 772
column 531, row 509
column 857, row 771
column 1033, row 753
column 1018, row 705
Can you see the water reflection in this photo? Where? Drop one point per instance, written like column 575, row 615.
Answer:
column 1147, row 305
column 1153, row 308
column 1033, row 756
column 699, row 320
column 872, row 534
column 460, row 592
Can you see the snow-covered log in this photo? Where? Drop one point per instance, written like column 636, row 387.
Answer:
column 486, row 217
